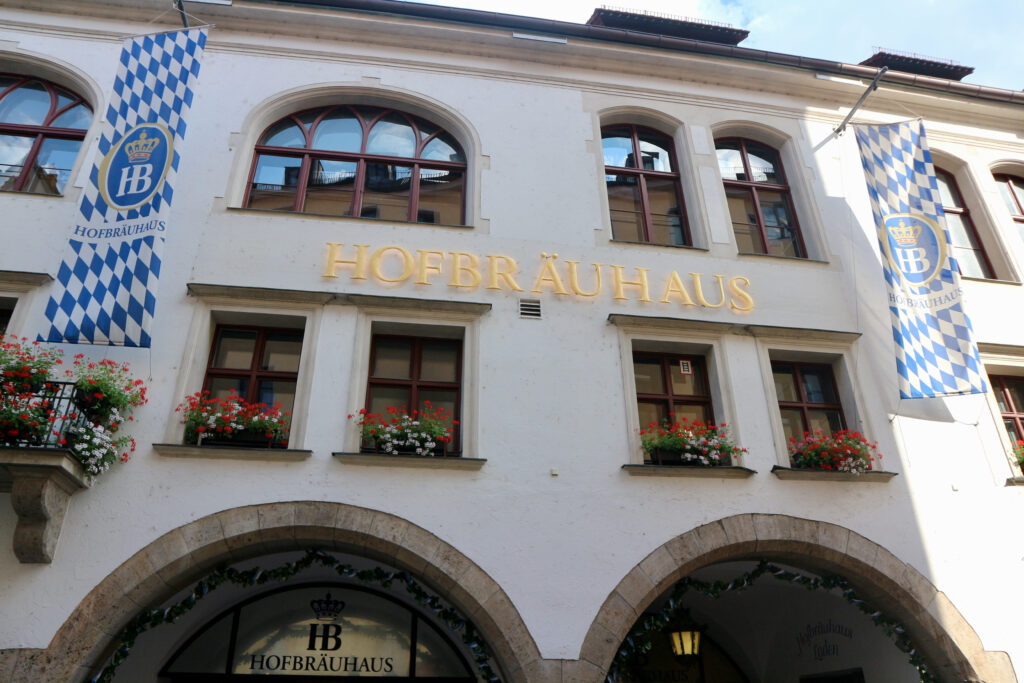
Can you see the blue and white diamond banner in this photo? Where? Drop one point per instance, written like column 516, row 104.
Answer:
column 935, row 350
column 106, row 286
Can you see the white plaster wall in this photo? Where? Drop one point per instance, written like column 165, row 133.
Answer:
column 550, row 392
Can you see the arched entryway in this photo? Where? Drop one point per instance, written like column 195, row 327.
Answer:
column 948, row 643
column 184, row 555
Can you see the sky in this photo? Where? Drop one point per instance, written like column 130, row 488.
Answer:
column 985, row 34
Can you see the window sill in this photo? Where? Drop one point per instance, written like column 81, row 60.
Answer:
column 658, row 244
column 23, row 281
column 992, row 281
column 334, row 217
column 174, row 450
column 415, row 461
column 717, row 472
column 791, row 473
column 26, row 193
column 1015, row 481
column 802, row 259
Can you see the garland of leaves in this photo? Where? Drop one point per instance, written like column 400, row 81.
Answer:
column 257, row 577
column 639, row 640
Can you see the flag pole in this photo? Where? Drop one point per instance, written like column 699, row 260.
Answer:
column 871, row 89
column 181, row 11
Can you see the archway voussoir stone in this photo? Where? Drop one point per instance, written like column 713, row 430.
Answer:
column 543, row 671
column 712, row 536
column 637, row 590
column 833, row 537
column 739, row 529
column 170, row 555
column 600, row 646
column 685, row 548
column 614, row 613
column 860, row 548
column 351, row 519
column 658, row 564
column 581, row 672
column 314, row 513
column 804, row 531
column 921, row 590
column 771, row 527
column 205, row 540
column 277, row 526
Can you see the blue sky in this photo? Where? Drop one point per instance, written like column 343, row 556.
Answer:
column 985, row 34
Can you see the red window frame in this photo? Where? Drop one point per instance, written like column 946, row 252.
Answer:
column 965, row 215
column 308, row 152
column 254, row 373
column 42, row 131
column 1015, row 195
column 1015, row 414
column 414, row 383
column 670, row 399
column 642, row 174
column 803, row 404
column 753, row 187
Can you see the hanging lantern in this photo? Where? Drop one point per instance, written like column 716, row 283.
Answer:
column 685, row 642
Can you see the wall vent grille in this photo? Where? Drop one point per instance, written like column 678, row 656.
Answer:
column 530, row 309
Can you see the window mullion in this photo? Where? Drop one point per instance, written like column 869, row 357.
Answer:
column 761, row 229
column 302, row 185
column 29, row 164
column 414, row 193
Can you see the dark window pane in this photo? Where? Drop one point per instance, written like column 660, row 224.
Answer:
column 387, row 191
column 779, row 231
column 690, row 412
column 764, row 164
column 826, row 421
column 27, row 105
column 221, row 387
column 625, row 207
column 663, row 195
column 281, row 352
column 392, row 136
column 434, row 657
column 654, row 150
column 1011, row 429
column 285, row 134
column 392, row 359
column 13, row 150
column 785, row 384
column 440, row 197
column 443, row 148
column 53, row 166
column 273, row 391
column 617, row 145
column 5, row 319
column 274, row 183
column 687, row 385
column 439, row 362
column 234, row 349
column 748, row 238
column 382, row 398
column 649, row 379
column 652, row 413
column 77, row 117
column 438, row 398
column 1016, row 389
column 730, row 161
column 792, row 423
column 331, row 187
column 339, row 131
column 818, row 386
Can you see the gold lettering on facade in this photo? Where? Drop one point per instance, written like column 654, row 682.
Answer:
column 738, row 296
column 493, row 272
column 698, row 289
column 641, row 282
column 548, row 273
column 574, row 280
column 334, row 261
column 471, row 268
column 408, row 263
column 423, row 265
column 675, row 286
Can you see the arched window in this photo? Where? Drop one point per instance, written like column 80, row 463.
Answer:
column 964, row 242
column 41, row 130
column 759, row 200
column 360, row 161
column 644, row 198
column 1012, row 189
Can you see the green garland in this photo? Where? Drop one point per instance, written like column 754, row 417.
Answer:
column 639, row 640
column 256, row 577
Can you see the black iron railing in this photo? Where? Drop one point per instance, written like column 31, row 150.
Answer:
column 53, row 403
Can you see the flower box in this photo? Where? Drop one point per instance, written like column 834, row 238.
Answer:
column 438, row 451
column 689, row 444
column 243, row 438
column 233, row 422
column 676, row 458
column 841, row 451
column 425, row 433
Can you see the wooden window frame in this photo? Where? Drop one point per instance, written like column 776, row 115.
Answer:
column 641, row 174
column 1017, row 196
column 414, row 384
column 1016, row 414
column 965, row 215
column 43, row 131
column 307, row 153
column 669, row 398
column 804, row 405
column 752, row 187
column 254, row 374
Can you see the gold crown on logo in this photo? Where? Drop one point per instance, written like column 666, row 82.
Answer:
column 139, row 150
column 905, row 236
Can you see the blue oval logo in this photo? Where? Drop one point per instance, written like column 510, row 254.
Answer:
column 134, row 169
column 915, row 247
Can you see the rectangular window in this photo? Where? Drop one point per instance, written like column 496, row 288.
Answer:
column 260, row 364
column 5, row 316
column 1009, row 393
column 410, row 371
column 808, row 400
column 671, row 387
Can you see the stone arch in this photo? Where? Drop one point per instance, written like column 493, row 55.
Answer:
column 183, row 555
column 934, row 624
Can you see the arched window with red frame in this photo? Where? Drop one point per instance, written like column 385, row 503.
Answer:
column 759, row 199
column 644, row 197
column 1012, row 189
column 42, row 126
column 965, row 245
column 360, row 161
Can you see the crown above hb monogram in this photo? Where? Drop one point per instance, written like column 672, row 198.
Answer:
column 326, row 609
column 905, row 235
column 140, row 149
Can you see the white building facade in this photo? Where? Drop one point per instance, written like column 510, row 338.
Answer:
column 494, row 238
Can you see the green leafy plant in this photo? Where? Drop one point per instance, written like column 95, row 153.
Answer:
column 24, row 417
column 1018, row 452
column 104, row 387
column 695, row 442
column 842, row 451
column 397, row 430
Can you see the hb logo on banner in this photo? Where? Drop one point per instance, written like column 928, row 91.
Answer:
column 915, row 247
column 134, row 169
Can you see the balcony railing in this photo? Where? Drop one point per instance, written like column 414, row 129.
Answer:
column 54, row 403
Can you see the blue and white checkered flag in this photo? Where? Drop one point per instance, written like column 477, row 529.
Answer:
column 935, row 350
column 106, row 286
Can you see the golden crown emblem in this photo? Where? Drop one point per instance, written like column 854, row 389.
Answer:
column 905, row 235
column 141, row 149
